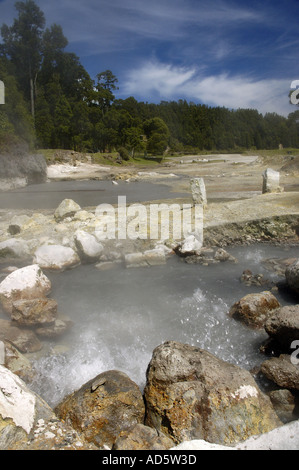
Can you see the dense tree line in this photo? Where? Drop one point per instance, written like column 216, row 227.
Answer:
column 52, row 102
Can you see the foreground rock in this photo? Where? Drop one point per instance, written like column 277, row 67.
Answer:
column 103, row 408
column 282, row 371
column 25, row 283
column 255, row 309
column 28, row 423
column 283, row 438
column 191, row 394
column 142, row 437
column 283, row 327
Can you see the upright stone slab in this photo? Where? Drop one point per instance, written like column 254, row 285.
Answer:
column 198, row 190
column 271, row 180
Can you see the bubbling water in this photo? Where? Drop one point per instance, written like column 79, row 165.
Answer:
column 121, row 315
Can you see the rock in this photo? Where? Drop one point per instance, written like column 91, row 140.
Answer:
column 135, row 260
column 155, row 257
column 32, row 312
column 250, row 279
column 103, row 408
column 191, row 245
column 28, row 423
column 24, row 340
column 283, row 327
column 284, row 404
column 60, row 326
column 281, row 371
column 198, row 190
column 278, row 266
column 17, row 223
column 255, row 309
column 14, row 248
column 88, row 247
column 24, row 283
column 107, row 265
column 142, row 437
column 56, row 257
column 67, row 208
column 222, row 255
column 271, row 179
column 283, row 438
column 191, row 394
column 292, row 276
column 17, row 362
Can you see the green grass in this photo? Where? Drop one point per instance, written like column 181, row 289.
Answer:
column 57, row 156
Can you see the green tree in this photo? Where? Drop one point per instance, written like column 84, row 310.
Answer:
column 105, row 86
column 22, row 44
column 157, row 134
column 16, row 123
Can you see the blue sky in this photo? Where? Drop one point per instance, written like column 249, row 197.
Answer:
column 237, row 54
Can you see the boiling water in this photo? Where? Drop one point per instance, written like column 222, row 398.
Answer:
column 121, row 315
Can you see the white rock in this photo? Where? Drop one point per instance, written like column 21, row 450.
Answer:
column 87, row 245
column 67, row 208
column 25, row 283
column 285, row 437
column 271, row 179
column 56, row 257
column 16, row 400
column 200, row 445
column 14, row 247
column 191, row 244
column 198, row 190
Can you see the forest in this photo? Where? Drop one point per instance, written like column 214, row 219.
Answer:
column 51, row 102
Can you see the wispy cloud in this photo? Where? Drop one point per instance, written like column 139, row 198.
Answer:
column 167, row 82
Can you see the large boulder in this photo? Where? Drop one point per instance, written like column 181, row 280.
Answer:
column 282, row 371
column 292, row 276
column 103, row 407
column 255, row 309
column 283, row 327
column 191, row 394
column 24, row 283
column 56, row 257
column 28, row 423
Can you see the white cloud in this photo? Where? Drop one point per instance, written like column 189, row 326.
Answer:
column 154, row 80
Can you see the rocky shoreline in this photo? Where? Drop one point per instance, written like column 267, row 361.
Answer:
column 182, row 401
column 192, row 399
